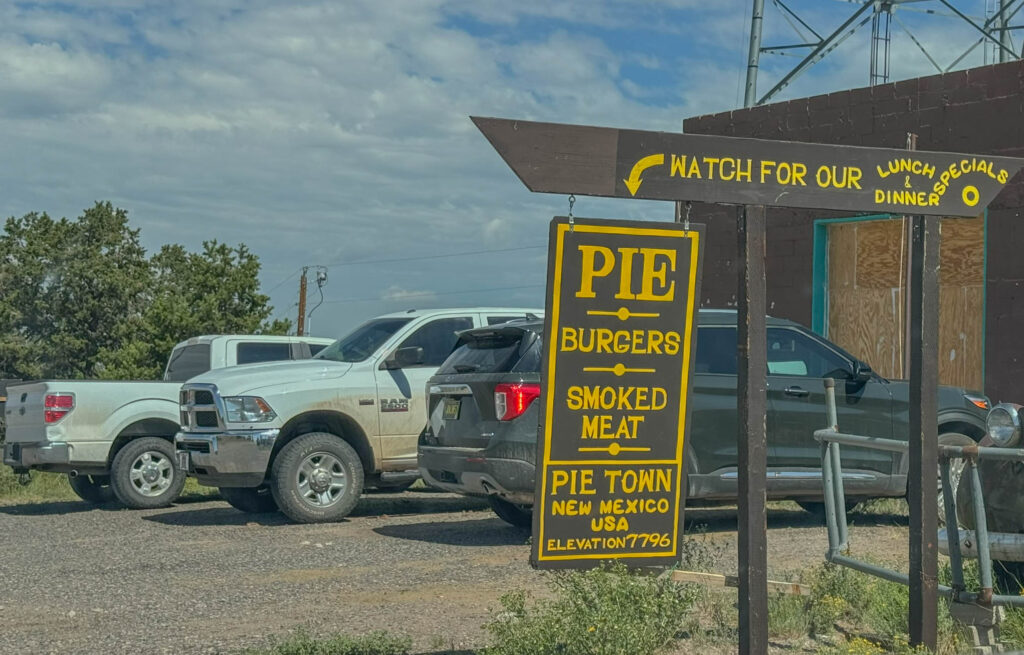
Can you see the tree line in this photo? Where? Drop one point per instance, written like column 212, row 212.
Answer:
column 82, row 299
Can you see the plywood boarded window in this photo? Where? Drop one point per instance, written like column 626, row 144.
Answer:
column 867, row 300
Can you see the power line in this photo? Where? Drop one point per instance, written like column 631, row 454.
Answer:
column 454, row 254
column 427, row 294
column 281, row 283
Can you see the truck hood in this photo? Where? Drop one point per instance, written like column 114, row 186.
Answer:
column 239, row 380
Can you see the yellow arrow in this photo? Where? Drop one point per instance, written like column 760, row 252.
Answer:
column 634, row 181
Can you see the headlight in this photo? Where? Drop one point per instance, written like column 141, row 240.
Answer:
column 1004, row 424
column 248, row 409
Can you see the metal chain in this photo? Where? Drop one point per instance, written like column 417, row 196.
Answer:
column 572, row 223
column 686, row 218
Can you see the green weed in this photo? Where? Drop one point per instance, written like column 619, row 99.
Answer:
column 302, row 643
column 605, row 611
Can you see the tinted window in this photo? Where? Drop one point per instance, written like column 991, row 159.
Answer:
column 187, row 362
column 532, row 359
column 492, row 353
column 716, row 351
column 437, row 338
column 498, row 320
column 793, row 353
column 251, row 352
column 314, row 348
column 363, row 341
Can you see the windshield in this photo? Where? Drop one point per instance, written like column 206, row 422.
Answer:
column 363, row 341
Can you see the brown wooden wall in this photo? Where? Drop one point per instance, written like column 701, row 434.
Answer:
column 978, row 111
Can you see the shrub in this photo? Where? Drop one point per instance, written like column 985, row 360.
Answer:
column 302, row 643
column 605, row 611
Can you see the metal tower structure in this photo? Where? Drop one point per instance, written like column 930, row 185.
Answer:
column 994, row 34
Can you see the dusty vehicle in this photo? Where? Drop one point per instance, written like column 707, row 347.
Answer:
column 308, row 437
column 481, row 436
column 116, row 438
column 1002, row 484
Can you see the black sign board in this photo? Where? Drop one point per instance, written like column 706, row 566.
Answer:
column 601, row 161
column 620, row 321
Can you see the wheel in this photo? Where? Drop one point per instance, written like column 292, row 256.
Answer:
column 93, row 489
column 317, row 478
column 253, row 500
column 144, row 475
column 956, row 468
column 517, row 515
column 818, row 508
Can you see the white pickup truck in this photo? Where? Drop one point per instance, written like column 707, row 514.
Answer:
column 116, row 438
column 307, row 437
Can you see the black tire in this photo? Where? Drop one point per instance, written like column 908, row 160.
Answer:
column 818, row 507
column 955, row 469
column 93, row 489
column 144, row 474
column 252, row 500
column 517, row 515
column 296, row 491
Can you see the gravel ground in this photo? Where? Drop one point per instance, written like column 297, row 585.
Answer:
column 202, row 577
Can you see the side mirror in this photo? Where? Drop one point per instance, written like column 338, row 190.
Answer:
column 862, row 372
column 404, row 358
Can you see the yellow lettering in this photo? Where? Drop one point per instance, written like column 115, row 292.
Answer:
column 652, row 272
column 589, row 272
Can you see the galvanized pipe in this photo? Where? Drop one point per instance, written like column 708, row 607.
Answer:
column 840, row 494
column 835, row 544
column 953, row 536
column 876, row 443
column 981, row 526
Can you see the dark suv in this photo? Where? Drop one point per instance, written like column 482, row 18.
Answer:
column 482, row 431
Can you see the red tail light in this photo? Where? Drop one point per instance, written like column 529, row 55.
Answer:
column 57, row 406
column 511, row 400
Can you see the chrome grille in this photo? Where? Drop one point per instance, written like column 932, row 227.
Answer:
column 200, row 408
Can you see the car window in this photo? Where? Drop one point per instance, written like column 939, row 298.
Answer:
column 363, row 341
column 252, row 352
column 437, row 338
column 716, row 351
column 498, row 320
column 314, row 348
column 186, row 362
column 485, row 353
column 795, row 354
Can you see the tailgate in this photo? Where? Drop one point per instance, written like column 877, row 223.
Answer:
column 23, row 413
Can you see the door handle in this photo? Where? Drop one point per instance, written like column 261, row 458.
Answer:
column 797, row 391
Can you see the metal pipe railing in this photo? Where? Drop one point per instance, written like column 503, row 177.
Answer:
column 831, row 440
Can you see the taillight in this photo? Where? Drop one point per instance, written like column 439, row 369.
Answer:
column 57, row 406
column 511, row 400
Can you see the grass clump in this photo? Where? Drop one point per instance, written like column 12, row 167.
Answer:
column 302, row 643
column 604, row 611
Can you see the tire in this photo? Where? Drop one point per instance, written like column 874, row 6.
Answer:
column 519, row 516
column 93, row 489
column 818, row 507
column 144, row 474
column 252, row 500
column 956, row 468
column 335, row 490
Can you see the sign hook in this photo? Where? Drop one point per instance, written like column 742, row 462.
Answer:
column 572, row 223
column 686, row 218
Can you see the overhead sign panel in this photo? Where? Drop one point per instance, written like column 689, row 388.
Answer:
column 601, row 161
column 620, row 322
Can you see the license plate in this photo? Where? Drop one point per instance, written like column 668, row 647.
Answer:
column 183, row 460
column 451, row 409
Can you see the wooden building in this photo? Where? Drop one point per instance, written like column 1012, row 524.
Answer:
column 846, row 276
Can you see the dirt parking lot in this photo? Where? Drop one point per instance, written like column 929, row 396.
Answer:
column 202, row 577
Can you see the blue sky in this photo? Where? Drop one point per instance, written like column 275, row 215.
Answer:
column 336, row 133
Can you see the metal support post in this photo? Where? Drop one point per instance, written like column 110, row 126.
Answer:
column 752, row 366
column 923, row 438
column 753, row 59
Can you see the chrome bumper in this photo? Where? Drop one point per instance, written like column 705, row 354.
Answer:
column 27, row 455
column 230, row 458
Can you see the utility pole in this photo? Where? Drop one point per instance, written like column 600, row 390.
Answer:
column 302, row 303
column 756, row 20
